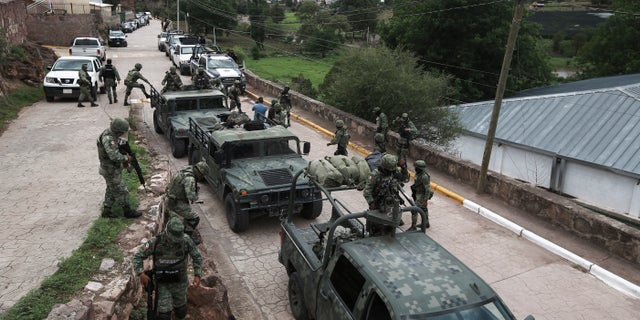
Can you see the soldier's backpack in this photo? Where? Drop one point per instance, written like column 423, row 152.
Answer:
column 374, row 159
column 237, row 119
column 348, row 169
column 254, row 125
column 325, row 173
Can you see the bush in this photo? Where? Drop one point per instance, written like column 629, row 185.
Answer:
column 304, row 86
column 255, row 53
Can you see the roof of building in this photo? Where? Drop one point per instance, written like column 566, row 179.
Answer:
column 598, row 126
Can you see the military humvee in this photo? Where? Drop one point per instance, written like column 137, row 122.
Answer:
column 339, row 270
column 251, row 170
column 174, row 108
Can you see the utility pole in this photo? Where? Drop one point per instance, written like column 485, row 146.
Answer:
column 178, row 16
column 502, row 83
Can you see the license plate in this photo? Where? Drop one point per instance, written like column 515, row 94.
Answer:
column 67, row 91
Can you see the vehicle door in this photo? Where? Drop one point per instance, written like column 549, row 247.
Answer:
column 97, row 66
column 371, row 306
column 166, row 111
column 339, row 289
column 214, row 169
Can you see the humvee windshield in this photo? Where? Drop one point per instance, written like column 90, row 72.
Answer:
column 263, row 148
column 192, row 104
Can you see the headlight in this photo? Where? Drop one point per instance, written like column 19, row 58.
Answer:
column 264, row 198
column 305, row 193
column 50, row 80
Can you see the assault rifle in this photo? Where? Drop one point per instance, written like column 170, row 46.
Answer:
column 152, row 304
column 125, row 149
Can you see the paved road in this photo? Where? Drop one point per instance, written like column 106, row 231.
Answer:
column 51, row 192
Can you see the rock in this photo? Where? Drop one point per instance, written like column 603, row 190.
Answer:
column 76, row 310
column 107, row 264
column 94, row 286
column 209, row 300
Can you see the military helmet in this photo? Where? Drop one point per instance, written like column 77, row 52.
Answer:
column 405, row 115
column 138, row 66
column 389, row 162
column 274, row 102
column 175, row 229
column 276, row 106
column 200, row 170
column 378, row 137
column 286, row 88
column 420, row 164
column 339, row 124
column 84, row 66
column 172, row 69
column 200, row 69
column 217, row 81
column 376, row 109
column 119, row 126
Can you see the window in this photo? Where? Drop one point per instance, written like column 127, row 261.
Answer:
column 280, row 147
column 211, row 103
column 184, row 105
column 347, row 281
column 376, row 309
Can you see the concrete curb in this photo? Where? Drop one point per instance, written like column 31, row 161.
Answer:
column 605, row 276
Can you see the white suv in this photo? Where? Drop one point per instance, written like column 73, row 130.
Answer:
column 62, row 78
column 181, row 56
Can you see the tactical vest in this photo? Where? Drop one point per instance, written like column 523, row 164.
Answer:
column 175, row 189
column 131, row 77
column 344, row 139
column 108, row 72
column 169, row 260
column 102, row 152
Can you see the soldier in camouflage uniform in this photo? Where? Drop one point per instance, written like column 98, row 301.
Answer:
column 383, row 187
column 111, row 163
column 85, row 87
column 217, row 84
column 170, row 250
column 382, row 123
column 181, row 192
column 421, row 192
column 110, row 76
column 132, row 82
column 285, row 100
column 380, row 146
column 171, row 81
column 341, row 138
column 279, row 117
column 201, row 80
column 407, row 131
column 234, row 93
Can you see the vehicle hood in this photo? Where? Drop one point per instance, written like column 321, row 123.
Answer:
column 225, row 72
column 180, row 121
column 265, row 172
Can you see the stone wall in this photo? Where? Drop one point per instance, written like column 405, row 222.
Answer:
column 618, row 238
column 65, row 27
column 13, row 13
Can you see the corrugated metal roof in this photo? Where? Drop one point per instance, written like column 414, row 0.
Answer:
column 598, row 126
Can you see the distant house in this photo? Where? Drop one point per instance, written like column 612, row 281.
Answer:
column 580, row 139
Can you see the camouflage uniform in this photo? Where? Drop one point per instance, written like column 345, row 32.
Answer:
column 421, row 192
column 285, row 100
column 380, row 144
column 234, row 94
column 382, row 122
column 109, row 75
column 181, row 191
column 170, row 250
column 341, row 138
column 407, row 131
column 85, row 87
column 171, row 81
column 383, row 185
column 132, row 82
column 201, row 80
column 279, row 117
column 111, row 163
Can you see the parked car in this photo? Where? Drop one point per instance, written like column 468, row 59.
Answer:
column 181, row 56
column 162, row 37
column 88, row 46
column 62, row 78
column 117, row 38
column 219, row 66
column 127, row 27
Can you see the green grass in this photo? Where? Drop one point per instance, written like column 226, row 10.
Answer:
column 282, row 69
column 75, row 271
column 14, row 102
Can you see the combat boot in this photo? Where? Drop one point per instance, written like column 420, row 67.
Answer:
column 130, row 213
column 110, row 101
column 93, row 104
column 126, row 103
column 115, row 100
column 107, row 213
column 80, row 105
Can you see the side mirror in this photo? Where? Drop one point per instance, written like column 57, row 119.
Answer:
column 218, row 157
column 306, row 147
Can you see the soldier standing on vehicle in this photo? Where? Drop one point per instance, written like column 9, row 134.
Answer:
column 285, row 100
column 201, row 80
column 132, row 82
column 182, row 191
column 234, row 94
column 341, row 138
column 421, row 192
column 407, row 131
column 111, row 78
column 171, row 81
column 84, row 80
column 111, row 163
column 170, row 251
column 383, row 187
column 382, row 122
column 217, row 84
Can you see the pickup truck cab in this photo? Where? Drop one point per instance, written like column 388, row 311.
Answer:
column 338, row 270
column 181, row 56
column 251, row 169
column 62, row 78
column 174, row 108
column 219, row 66
column 87, row 46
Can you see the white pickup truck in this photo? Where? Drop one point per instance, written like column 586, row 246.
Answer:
column 87, row 46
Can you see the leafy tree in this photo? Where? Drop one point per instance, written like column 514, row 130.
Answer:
column 467, row 39
column 362, row 14
column 307, row 9
column 277, row 13
column 386, row 78
column 206, row 14
column 258, row 19
column 614, row 46
column 322, row 31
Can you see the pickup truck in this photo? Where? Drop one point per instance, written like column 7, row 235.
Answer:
column 86, row 46
column 174, row 108
column 251, row 169
column 339, row 270
column 219, row 66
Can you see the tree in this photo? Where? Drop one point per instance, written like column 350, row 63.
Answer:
column 322, row 31
column 614, row 46
column 258, row 19
column 277, row 13
column 206, row 14
column 362, row 14
column 389, row 79
column 307, row 9
column 467, row 38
